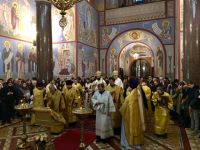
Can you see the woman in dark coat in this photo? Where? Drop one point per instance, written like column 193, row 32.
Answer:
column 9, row 96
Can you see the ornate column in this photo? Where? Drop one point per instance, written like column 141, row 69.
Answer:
column 191, row 40
column 44, row 40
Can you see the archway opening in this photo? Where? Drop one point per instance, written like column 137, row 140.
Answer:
column 127, row 45
column 140, row 68
column 134, row 54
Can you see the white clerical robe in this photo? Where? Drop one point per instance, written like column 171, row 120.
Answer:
column 103, row 104
column 119, row 82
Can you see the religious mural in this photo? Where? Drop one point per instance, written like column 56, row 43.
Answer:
column 64, row 59
column 32, row 61
column 159, row 61
column 20, row 61
column 18, row 19
column 103, row 60
column 107, row 35
column 87, row 24
column 66, row 34
column 87, row 60
column 17, row 59
column 170, row 60
column 164, row 28
column 136, row 36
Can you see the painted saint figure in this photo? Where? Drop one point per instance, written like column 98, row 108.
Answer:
column 8, row 61
column 14, row 15
column 60, row 57
column 166, row 30
column 5, row 13
column 32, row 59
column 20, row 61
column 159, row 58
column 69, row 29
column 113, row 59
column 105, row 36
column 67, row 67
column 83, row 63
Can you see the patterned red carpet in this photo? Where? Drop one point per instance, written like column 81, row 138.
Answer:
column 71, row 139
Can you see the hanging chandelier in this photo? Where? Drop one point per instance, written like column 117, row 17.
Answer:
column 63, row 5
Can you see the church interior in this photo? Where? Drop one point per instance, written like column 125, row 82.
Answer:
column 43, row 42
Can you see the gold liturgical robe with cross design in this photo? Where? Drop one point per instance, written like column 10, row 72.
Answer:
column 38, row 101
column 117, row 96
column 132, row 112
column 79, row 89
column 71, row 101
column 162, row 110
column 57, row 103
column 38, row 97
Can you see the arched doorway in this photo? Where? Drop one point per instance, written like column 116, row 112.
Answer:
column 140, row 68
column 136, row 52
column 146, row 45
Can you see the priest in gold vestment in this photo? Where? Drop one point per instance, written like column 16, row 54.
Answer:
column 163, row 104
column 133, row 126
column 117, row 96
column 55, row 100
column 38, row 98
column 71, row 101
column 148, row 111
column 78, row 88
column 147, row 92
column 38, row 95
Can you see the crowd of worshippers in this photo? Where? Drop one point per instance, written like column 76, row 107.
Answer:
column 125, row 106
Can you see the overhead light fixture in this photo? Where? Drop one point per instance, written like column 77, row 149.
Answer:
column 63, row 5
column 136, row 56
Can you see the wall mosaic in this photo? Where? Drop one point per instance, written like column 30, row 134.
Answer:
column 17, row 59
column 87, row 60
column 164, row 28
column 18, row 19
column 68, row 34
column 87, row 24
column 138, row 36
column 64, row 57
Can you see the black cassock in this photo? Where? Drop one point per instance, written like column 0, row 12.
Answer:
column 7, row 103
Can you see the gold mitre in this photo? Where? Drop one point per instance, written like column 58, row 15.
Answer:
column 115, row 73
column 98, row 73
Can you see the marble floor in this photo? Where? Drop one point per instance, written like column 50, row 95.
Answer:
column 178, row 139
column 151, row 142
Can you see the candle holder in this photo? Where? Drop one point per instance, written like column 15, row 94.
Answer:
column 82, row 113
column 23, row 109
